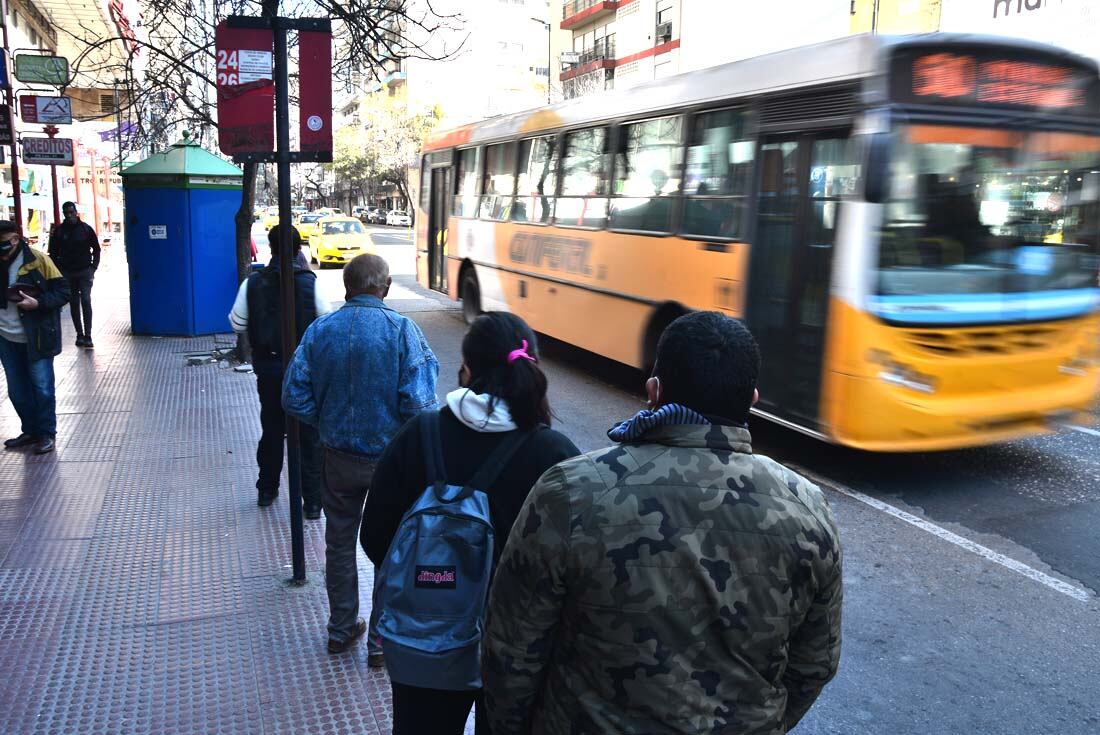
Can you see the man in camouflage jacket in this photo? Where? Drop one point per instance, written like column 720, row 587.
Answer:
column 674, row 583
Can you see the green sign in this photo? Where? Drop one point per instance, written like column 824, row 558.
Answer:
column 35, row 69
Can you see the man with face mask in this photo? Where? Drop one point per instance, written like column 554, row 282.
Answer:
column 30, row 336
column 74, row 246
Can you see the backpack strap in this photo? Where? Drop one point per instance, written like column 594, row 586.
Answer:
column 491, row 468
column 433, row 447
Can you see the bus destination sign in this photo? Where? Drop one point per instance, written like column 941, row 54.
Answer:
column 980, row 80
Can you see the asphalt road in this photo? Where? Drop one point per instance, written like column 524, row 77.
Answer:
column 970, row 576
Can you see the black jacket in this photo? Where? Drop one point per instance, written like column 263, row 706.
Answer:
column 264, row 323
column 42, row 325
column 401, row 476
column 74, row 247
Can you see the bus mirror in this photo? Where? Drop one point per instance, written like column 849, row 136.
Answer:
column 876, row 181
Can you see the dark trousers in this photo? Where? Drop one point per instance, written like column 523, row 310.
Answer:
column 269, row 453
column 30, row 388
column 343, row 495
column 80, row 300
column 419, row 711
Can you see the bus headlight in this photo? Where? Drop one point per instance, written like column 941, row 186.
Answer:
column 900, row 374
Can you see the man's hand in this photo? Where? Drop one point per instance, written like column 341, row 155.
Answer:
column 29, row 303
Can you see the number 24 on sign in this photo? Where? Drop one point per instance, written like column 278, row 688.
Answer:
column 228, row 67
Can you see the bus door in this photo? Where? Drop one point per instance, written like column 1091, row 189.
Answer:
column 802, row 180
column 438, row 211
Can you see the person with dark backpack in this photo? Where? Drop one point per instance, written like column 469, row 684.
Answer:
column 257, row 311
column 443, row 500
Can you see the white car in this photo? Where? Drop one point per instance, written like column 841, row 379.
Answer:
column 397, row 217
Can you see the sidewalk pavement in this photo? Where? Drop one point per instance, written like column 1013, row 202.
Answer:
column 141, row 589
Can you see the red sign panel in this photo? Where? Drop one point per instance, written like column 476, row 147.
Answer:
column 315, row 105
column 246, row 93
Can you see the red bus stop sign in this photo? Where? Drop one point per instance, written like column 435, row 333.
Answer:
column 246, row 93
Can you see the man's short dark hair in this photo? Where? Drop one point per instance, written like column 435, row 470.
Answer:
column 273, row 239
column 710, row 363
column 66, row 205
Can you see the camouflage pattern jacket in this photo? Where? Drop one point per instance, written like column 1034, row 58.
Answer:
column 679, row 584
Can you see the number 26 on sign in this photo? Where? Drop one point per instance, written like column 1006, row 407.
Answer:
column 228, row 67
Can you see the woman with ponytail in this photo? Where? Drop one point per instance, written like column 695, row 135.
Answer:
column 502, row 391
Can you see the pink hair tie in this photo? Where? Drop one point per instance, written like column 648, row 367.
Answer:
column 520, row 354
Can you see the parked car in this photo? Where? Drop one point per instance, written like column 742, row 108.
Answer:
column 399, row 218
column 338, row 240
column 271, row 217
column 376, row 216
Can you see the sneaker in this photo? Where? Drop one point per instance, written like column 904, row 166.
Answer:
column 312, row 512
column 88, row 343
column 45, row 445
column 79, row 340
column 335, row 646
column 23, row 440
column 265, row 499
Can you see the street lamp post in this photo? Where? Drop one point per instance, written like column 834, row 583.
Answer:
column 549, row 54
column 118, row 124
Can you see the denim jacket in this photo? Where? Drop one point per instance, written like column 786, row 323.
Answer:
column 359, row 374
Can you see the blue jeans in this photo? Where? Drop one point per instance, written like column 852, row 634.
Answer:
column 30, row 388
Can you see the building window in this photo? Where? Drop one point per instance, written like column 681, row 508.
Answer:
column 647, row 175
column 465, row 204
column 584, row 184
column 538, row 177
column 499, row 182
column 665, row 13
column 719, row 175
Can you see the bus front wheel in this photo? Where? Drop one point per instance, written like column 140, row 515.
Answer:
column 471, row 296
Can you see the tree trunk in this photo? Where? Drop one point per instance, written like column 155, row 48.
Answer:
column 243, row 221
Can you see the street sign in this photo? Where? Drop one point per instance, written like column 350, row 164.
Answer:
column 5, row 126
column 48, row 151
column 315, row 91
column 45, row 110
column 246, row 92
column 36, row 69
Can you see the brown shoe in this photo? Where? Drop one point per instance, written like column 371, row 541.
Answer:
column 376, row 661
column 335, row 646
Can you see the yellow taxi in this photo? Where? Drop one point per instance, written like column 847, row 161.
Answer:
column 338, row 239
column 270, row 218
column 306, row 224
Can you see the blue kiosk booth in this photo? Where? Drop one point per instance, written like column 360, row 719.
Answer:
column 180, row 241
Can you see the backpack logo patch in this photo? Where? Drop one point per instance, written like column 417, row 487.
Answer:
column 435, row 578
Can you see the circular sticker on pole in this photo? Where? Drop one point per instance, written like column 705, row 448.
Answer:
column 315, row 123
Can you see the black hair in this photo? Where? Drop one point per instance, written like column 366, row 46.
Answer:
column 68, row 204
column 273, row 239
column 521, row 384
column 710, row 363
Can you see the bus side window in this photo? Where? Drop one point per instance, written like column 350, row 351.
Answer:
column 499, row 183
column 465, row 204
column 584, row 182
column 719, row 175
column 647, row 175
column 538, row 164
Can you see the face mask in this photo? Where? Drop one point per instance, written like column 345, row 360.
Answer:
column 6, row 246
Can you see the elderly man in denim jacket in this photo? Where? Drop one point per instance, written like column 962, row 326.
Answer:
column 358, row 375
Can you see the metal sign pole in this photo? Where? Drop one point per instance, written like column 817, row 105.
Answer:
column 9, row 98
column 286, row 283
column 51, row 131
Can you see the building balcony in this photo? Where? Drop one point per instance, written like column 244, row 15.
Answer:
column 576, row 12
column 600, row 56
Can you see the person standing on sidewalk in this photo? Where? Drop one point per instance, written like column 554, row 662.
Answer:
column 257, row 311
column 74, row 247
column 30, row 337
column 675, row 582
column 359, row 374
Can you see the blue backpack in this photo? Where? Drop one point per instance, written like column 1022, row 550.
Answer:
column 435, row 577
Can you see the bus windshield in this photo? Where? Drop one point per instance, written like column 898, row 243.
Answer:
column 977, row 211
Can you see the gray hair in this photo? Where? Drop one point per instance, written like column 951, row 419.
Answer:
column 366, row 273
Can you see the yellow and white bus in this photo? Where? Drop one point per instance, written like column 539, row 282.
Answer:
column 910, row 226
